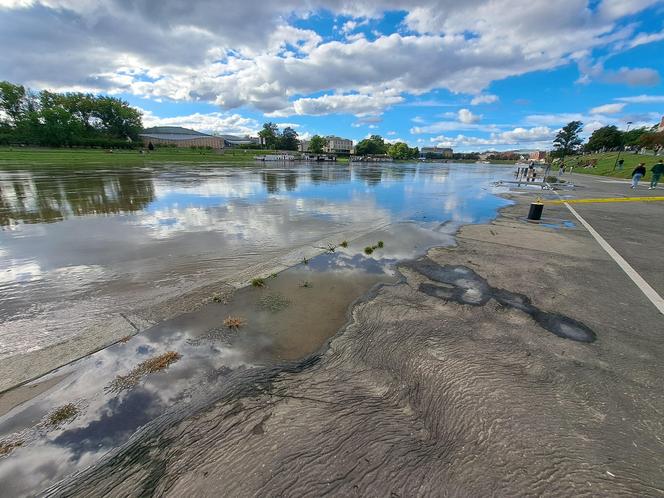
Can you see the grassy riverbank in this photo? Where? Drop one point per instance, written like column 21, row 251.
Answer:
column 94, row 157
column 606, row 162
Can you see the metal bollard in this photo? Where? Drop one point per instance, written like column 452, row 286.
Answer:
column 536, row 209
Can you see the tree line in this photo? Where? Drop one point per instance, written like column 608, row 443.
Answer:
column 376, row 145
column 70, row 119
column 568, row 140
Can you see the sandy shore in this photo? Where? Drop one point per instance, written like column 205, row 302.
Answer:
column 434, row 390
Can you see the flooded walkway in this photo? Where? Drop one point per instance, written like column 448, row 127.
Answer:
column 88, row 249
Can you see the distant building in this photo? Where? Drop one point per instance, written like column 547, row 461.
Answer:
column 303, row 145
column 537, row 155
column 334, row 145
column 436, row 153
column 338, row 145
column 235, row 141
column 180, row 137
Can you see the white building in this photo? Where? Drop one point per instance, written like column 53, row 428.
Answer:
column 333, row 145
column 338, row 145
column 436, row 153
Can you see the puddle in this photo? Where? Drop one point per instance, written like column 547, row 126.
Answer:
column 292, row 316
column 561, row 224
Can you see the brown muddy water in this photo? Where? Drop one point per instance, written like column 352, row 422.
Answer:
column 91, row 251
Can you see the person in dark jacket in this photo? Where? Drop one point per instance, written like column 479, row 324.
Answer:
column 638, row 173
column 657, row 171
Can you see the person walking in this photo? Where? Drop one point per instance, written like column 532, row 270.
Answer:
column 561, row 170
column 657, row 171
column 638, row 173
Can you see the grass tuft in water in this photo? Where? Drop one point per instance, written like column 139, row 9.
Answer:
column 233, row 322
column 274, row 302
column 258, row 282
column 344, row 244
column 328, row 248
column 371, row 249
column 63, row 415
column 6, row 447
column 152, row 365
column 274, row 275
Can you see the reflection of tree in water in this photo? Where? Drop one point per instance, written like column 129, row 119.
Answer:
column 274, row 181
column 372, row 175
column 290, row 181
column 399, row 172
column 270, row 181
column 322, row 173
column 49, row 196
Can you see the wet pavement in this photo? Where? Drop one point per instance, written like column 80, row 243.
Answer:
column 251, row 215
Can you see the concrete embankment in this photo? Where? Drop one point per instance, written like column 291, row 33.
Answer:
column 440, row 386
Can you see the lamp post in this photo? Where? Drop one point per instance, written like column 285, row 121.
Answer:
column 621, row 148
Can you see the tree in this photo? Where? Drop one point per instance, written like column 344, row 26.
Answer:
column 631, row 137
column 58, row 127
column 652, row 140
column 608, row 137
column 57, row 119
column 117, row 118
column 269, row 135
column 400, row 150
column 372, row 145
column 567, row 140
column 12, row 101
column 317, row 144
column 288, row 139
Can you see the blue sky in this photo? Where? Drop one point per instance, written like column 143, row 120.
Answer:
column 473, row 75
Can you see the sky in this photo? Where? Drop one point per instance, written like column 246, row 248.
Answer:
column 471, row 75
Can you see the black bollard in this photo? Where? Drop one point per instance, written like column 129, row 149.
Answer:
column 535, row 212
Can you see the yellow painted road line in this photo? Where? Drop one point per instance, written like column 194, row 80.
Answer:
column 606, row 199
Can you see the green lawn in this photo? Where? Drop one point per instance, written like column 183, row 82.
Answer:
column 93, row 157
column 606, row 161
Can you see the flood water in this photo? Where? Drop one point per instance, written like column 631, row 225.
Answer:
column 79, row 247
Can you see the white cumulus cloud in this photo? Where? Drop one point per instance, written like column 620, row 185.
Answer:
column 607, row 109
column 467, row 117
column 484, row 99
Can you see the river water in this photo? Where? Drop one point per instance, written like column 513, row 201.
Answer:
column 83, row 250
